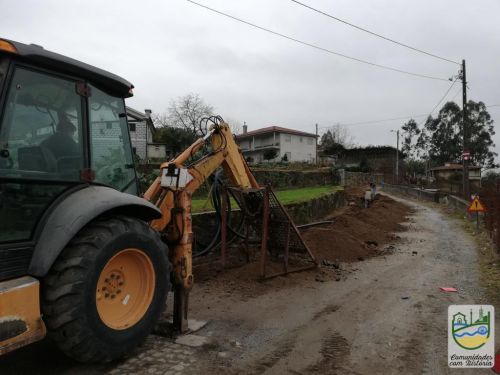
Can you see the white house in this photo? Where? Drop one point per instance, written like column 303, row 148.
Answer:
column 141, row 129
column 294, row 144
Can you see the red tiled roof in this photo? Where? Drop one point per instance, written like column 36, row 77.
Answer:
column 453, row 167
column 277, row 129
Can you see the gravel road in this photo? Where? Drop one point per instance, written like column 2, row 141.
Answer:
column 388, row 316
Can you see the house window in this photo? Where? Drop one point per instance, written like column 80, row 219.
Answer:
column 134, row 150
column 301, row 139
column 288, row 138
column 109, row 125
column 309, row 141
column 131, row 126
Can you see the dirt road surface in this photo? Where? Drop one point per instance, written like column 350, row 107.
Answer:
column 387, row 316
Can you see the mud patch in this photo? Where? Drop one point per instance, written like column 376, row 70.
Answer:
column 326, row 311
column 358, row 233
column 335, row 351
column 284, row 348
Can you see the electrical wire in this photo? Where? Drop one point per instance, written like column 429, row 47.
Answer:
column 399, row 118
column 318, row 47
column 373, row 33
column 444, row 96
column 376, row 121
column 403, row 117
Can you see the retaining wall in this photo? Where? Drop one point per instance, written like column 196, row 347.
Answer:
column 301, row 213
column 458, row 203
column 281, row 179
column 420, row 194
column 352, row 179
column 278, row 178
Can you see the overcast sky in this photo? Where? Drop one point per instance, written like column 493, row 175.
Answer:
column 170, row 48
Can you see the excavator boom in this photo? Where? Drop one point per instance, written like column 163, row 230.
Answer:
column 172, row 192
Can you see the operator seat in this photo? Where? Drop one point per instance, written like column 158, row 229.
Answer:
column 36, row 158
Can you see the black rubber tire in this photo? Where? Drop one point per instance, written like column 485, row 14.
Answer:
column 69, row 290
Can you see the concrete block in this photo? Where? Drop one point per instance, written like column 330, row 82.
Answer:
column 193, row 341
column 195, row 325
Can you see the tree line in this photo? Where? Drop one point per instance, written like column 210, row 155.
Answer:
column 440, row 139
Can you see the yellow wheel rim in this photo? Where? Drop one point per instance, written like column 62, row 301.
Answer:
column 125, row 289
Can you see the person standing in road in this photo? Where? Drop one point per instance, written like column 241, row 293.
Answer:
column 373, row 188
column 368, row 197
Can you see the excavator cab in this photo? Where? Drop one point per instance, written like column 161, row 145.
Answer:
column 73, row 233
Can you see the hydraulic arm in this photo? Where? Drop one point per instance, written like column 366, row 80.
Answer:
column 172, row 192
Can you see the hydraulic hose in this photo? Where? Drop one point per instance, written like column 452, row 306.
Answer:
column 216, row 196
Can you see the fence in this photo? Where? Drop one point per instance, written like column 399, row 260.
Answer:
column 490, row 197
column 420, row 194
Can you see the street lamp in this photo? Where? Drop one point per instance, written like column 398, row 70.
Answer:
column 397, row 154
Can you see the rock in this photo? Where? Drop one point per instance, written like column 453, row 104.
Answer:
column 329, row 263
column 223, row 354
column 193, row 340
column 178, row 368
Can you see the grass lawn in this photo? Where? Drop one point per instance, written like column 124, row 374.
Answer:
column 284, row 196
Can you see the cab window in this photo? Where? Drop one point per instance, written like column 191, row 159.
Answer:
column 41, row 148
column 41, row 128
column 110, row 150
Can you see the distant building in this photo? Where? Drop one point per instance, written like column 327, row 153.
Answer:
column 376, row 159
column 290, row 144
column 141, row 129
column 451, row 173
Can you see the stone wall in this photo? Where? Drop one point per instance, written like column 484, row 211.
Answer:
column 278, row 178
column 317, row 208
column 353, row 179
column 282, row 179
column 301, row 213
column 420, row 194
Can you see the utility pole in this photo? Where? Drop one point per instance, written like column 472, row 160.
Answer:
column 317, row 160
column 465, row 159
column 397, row 156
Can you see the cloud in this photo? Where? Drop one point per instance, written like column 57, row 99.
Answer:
column 170, row 48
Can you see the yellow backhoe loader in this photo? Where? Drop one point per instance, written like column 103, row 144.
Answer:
column 82, row 256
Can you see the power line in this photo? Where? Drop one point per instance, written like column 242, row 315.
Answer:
column 316, row 46
column 458, row 92
column 444, row 96
column 396, row 118
column 402, row 118
column 376, row 121
column 374, row 34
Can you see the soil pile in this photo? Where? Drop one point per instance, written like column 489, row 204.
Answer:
column 357, row 233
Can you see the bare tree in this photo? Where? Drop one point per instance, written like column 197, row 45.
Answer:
column 337, row 134
column 160, row 120
column 187, row 111
column 235, row 125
